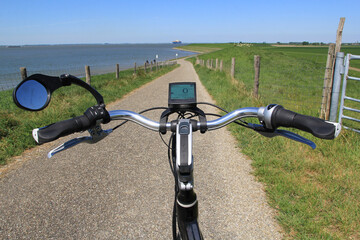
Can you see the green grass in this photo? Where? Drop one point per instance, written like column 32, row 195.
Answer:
column 316, row 192
column 16, row 124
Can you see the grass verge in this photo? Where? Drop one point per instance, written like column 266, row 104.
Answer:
column 16, row 124
column 316, row 192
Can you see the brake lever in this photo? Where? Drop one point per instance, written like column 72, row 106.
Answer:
column 279, row 132
column 96, row 134
column 68, row 145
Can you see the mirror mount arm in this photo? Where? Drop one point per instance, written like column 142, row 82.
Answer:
column 67, row 80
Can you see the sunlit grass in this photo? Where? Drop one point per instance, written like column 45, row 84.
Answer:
column 316, row 192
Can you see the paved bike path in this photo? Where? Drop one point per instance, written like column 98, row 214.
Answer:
column 122, row 187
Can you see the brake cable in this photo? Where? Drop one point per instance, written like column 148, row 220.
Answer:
column 143, row 111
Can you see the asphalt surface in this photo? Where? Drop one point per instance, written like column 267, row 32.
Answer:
column 122, row 187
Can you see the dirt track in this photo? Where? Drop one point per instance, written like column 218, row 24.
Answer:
column 355, row 69
column 122, row 187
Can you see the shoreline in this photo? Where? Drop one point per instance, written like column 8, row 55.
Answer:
column 178, row 48
column 166, row 52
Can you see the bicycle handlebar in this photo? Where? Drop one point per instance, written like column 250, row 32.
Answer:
column 318, row 127
column 77, row 124
column 271, row 117
column 275, row 116
column 211, row 125
column 60, row 129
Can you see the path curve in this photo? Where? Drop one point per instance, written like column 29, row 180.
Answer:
column 122, row 187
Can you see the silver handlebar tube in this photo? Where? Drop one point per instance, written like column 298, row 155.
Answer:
column 211, row 125
column 137, row 118
column 231, row 117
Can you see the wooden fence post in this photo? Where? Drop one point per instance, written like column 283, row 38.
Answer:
column 221, row 65
column 157, row 66
column 339, row 35
column 257, row 75
column 134, row 68
column 87, row 74
column 216, row 64
column 145, row 67
column 337, row 49
column 151, row 66
column 211, row 63
column 232, row 72
column 117, row 71
column 327, row 80
column 23, row 73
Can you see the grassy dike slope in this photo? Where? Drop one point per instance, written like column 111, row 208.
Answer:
column 16, row 124
column 316, row 192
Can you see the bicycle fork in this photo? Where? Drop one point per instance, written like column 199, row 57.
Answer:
column 186, row 201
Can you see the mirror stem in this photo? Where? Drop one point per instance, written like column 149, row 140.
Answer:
column 67, row 80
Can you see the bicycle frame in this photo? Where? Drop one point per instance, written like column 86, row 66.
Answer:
column 187, row 216
column 186, row 201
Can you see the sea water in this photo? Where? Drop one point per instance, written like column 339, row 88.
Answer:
column 59, row 59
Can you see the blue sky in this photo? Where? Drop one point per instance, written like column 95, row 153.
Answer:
column 158, row 21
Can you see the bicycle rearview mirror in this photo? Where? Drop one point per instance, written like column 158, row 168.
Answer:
column 31, row 95
column 34, row 93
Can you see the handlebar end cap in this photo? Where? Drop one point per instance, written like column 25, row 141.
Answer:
column 35, row 135
column 337, row 128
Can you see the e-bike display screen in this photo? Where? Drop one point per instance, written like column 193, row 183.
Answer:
column 182, row 95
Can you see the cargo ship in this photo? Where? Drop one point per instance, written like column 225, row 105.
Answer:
column 176, row 42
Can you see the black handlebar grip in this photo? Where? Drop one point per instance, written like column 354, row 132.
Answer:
column 60, row 129
column 316, row 126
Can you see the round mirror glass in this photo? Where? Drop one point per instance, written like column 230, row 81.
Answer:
column 32, row 95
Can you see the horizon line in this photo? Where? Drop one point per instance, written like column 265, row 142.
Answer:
column 105, row 43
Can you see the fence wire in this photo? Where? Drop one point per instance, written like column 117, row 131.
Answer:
column 9, row 81
column 296, row 86
column 301, row 90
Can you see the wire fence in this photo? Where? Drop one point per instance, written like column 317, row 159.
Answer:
column 295, row 86
column 9, row 81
